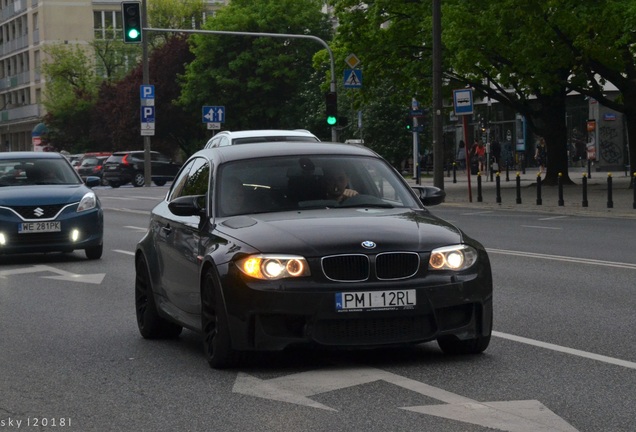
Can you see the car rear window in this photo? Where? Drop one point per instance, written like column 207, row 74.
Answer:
column 115, row 158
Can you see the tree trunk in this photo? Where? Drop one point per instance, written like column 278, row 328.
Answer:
column 630, row 121
column 550, row 124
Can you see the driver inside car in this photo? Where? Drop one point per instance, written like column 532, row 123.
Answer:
column 336, row 184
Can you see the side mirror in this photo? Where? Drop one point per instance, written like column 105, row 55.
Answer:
column 192, row 205
column 92, row 181
column 430, row 195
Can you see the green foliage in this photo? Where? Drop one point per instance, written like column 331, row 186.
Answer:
column 69, row 96
column 259, row 80
column 392, row 38
column 116, row 119
column 175, row 13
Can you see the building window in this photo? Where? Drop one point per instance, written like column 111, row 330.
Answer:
column 107, row 24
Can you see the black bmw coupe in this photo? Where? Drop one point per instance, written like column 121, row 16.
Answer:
column 269, row 245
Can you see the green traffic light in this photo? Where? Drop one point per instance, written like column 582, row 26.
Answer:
column 331, row 120
column 133, row 34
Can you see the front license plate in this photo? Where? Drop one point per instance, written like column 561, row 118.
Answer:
column 375, row 300
column 39, row 227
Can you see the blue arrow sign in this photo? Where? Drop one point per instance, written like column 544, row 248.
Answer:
column 213, row 114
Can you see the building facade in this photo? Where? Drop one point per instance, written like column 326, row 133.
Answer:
column 26, row 28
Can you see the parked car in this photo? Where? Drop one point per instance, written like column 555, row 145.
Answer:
column 93, row 165
column 265, row 246
column 46, row 207
column 128, row 167
column 225, row 138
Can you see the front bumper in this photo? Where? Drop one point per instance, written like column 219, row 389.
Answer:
column 267, row 316
column 88, row 224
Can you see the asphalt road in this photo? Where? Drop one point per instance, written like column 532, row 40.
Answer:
column 563, row 356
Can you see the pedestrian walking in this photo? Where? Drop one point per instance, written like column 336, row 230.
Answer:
column 540, row 155
column 480, row 152
column 461, row 155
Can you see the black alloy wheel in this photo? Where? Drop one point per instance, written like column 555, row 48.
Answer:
column 94, row 252
column 217, row 345
column 455, row 346
column 138, row 179
column 151, row 325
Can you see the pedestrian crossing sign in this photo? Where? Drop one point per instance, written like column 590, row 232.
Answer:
column 353, row 78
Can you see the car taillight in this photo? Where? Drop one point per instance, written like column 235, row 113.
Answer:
column 124, row 160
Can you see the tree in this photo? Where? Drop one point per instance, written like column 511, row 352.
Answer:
column 601, row 37
column 392, row 38
column 259, row 80
column 506, row 51
column 174, row 14
column 116, row 118
column 69, row 95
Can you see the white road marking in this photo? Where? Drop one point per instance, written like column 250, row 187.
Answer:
column 124, row 252
column 477, row 213
column 144, row 229
column 629, row 266
column 571, row 351
column 95, row 278
column 541, row 227
column 553, row 218
column 512, row 416
column 125, row 210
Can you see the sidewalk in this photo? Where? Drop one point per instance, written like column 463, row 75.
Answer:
column 622, row 198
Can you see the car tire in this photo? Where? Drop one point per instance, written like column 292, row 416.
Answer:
column 150, row 324
column 138, row 179
column 160, row 182
column 104, row 182
column 217, row 344
column 114, row 185
column 94, row 252
column 455, row 346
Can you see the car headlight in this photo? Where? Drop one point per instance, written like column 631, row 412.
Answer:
column 88, row 202
column 456, row 258
column 271, row 267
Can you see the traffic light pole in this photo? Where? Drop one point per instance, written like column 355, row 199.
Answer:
column 145, row 80
column 332, row 86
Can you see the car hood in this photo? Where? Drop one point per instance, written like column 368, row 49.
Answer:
column 334, row 231
column 42, row 194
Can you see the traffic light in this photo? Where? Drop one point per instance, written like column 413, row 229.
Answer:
column 331, row 102
column 131, row 16
column 408, row 123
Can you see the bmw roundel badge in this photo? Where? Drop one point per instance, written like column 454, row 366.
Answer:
column 368, row 244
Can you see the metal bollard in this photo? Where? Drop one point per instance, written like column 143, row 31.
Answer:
column 498, row 180
column 560, row 183
column 610, row 201
column 634, row 189
column 479, row 196
column 518, row 188
column 454, row 172
column 584, row 203
column 539, row 201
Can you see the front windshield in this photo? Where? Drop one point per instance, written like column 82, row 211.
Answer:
column 36, row 171
column 308, row 182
